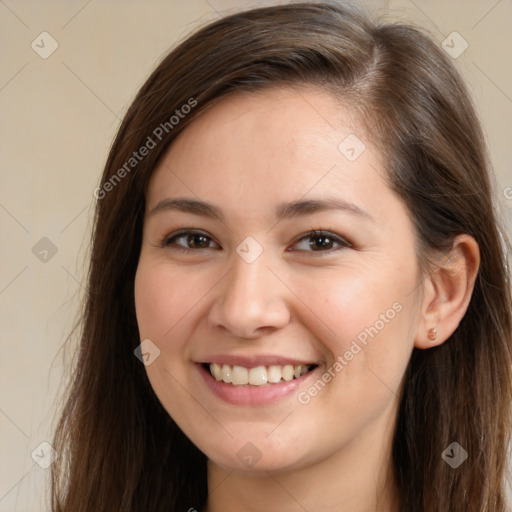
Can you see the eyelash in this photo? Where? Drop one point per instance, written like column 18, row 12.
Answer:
column 316, row 233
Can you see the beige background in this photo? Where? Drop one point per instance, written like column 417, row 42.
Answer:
column 59, row 116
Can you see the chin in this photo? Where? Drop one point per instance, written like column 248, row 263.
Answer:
column 257, row 467
column 254, row 457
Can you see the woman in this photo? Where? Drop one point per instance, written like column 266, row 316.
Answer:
column 295, row 236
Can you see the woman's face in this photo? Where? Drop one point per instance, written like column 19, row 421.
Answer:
column 307, row 334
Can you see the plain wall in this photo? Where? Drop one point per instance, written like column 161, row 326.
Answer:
column 59, row 116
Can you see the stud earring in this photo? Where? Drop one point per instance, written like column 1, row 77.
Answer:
column 432, row 333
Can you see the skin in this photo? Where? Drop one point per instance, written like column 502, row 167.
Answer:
column 246, row 155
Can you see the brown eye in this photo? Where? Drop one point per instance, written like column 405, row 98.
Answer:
column 321, row 241
column 196, row 241
column 188, row 240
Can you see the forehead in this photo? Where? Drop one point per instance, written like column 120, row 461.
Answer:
column 252, row 150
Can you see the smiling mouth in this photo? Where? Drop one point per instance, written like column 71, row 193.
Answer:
column 257, row 376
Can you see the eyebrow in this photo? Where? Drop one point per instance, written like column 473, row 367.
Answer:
column 284, row 211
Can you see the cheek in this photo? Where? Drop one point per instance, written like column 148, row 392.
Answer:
column 164, row 305
column 154, row 303
column 351, row 301
column 370, row 316
column 163, row 298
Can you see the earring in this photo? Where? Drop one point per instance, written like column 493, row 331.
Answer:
column 432, row 333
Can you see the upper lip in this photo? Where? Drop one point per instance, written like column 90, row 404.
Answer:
column 251, row 361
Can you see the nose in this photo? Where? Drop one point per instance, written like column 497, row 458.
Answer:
column 251, row 300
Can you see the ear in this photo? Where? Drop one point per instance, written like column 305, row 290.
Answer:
column 447, row 291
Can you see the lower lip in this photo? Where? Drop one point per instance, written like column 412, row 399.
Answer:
column 253, row 395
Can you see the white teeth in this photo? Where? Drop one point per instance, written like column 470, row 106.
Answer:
column 257, row 376
column 216, row 371
column 226, row 373
column 239, row 376
column 274, row 373
column 287, row 372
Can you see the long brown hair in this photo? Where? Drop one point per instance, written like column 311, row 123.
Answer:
column 118, row 448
